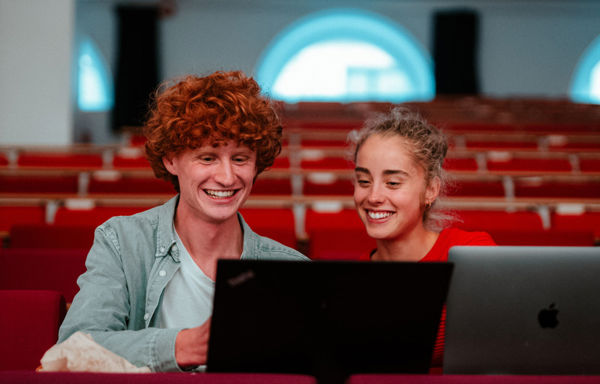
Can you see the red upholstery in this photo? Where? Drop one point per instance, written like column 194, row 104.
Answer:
column 337, row 187
column 565, row 189
column 460, row 164
column 21, row 215
column 275, row 223
column 268, row 186
column 28, row 327
column 589, row 165
column 470, row 379
column 586, row 221
column 476, row 188
column 337, row 235
column 281, row 162
column 530, row 164
column 30, row 377
column 50, row 269
column 131, row 185
column 327, row 163
column 60, row 160
column 543, row 238
column 92, row 217
column 120, row 161
column 501, row 144
column 38, row 184
column 3, row 160
column 486, row 220
column 51, row 236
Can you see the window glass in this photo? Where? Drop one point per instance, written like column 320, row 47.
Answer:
column 94, row 85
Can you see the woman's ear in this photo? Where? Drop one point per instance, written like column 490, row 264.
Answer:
column 433, row 190
column 169, row 164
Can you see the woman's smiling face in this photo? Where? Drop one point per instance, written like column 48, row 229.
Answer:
column 390, row 190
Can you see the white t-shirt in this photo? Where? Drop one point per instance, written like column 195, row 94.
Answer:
column 188, row 298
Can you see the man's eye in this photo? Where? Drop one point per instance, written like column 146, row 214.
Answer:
column 207, row 159
column 240, row 159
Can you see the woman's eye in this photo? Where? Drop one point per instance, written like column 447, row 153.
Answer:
column 363, row 182
column 393, row 183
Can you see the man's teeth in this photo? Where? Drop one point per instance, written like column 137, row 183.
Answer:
column 219, row 193
column 378, row 215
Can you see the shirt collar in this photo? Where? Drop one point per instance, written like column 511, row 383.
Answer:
column 165, row 235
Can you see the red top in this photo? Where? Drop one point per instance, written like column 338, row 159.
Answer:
column 439, row 253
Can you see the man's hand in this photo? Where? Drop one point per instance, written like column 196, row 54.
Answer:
column 191, row 346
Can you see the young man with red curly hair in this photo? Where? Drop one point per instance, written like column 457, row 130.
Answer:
column 147, row 292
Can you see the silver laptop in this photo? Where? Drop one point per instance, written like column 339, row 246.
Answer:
column 523, row 310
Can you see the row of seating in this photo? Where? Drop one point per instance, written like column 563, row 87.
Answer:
column 320, row 229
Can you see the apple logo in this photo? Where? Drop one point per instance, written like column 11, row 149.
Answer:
column 547, row 317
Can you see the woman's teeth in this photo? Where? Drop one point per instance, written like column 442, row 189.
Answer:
column 219, row 193
column 378, row 215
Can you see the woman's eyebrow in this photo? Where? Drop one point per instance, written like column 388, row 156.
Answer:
column 395, row 172
column 361, row 169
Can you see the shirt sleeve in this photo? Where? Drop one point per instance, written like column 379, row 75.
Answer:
column 102, row 309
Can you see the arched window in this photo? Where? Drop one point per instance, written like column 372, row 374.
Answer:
column 585, row 87
column 94, row 83
column 346, row 55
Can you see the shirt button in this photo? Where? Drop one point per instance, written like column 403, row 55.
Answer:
column 162, row 273
column 162, row 249
column 146, row 316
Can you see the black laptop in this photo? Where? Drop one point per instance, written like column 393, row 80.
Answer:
column 328, row 319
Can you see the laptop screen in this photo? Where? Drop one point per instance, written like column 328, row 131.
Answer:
column 325, row 318
column 523, row 310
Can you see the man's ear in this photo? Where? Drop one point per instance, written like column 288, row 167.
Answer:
column 169, row 164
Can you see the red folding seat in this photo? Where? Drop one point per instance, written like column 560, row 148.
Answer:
column 12, row 215
column 495, row 144
column 543, row 238
column 28, row 328
column 328, row 186
column 489, row 220
column 536, row 187
column 583, row 221
column 275, row 223
column 130, row 185
column 123, row 161
column 32, row 184
column 51, row 236
column 272, row 186
column 61, row 160
column 327, row 162
column 476, row 188
column 3, row 160
column 460, row 164
column 522, row 164
column 589, row 164
column 281, row 162
column 337, row 235
column 313, row 142
column 53, row 269
column 94, row 216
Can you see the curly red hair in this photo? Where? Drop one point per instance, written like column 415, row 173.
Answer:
column 210, row 110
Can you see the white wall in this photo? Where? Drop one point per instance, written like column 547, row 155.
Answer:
column 527, row 48
column 35, row 71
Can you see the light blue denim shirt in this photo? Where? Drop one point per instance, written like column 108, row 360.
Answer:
column 128, row 267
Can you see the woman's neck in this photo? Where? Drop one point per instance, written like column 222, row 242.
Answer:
column 411, row 247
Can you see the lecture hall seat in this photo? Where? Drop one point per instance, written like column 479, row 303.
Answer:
column 470, row 379
column 28, row 328
column 39, row 184
column 51, row 236
column 60, row 160
column 45, row 269
column 275, row 223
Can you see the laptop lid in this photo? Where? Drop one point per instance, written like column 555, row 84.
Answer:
column 325, row 318
column 523, row 310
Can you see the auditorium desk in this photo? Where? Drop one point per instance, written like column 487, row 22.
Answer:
column 22, row 377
